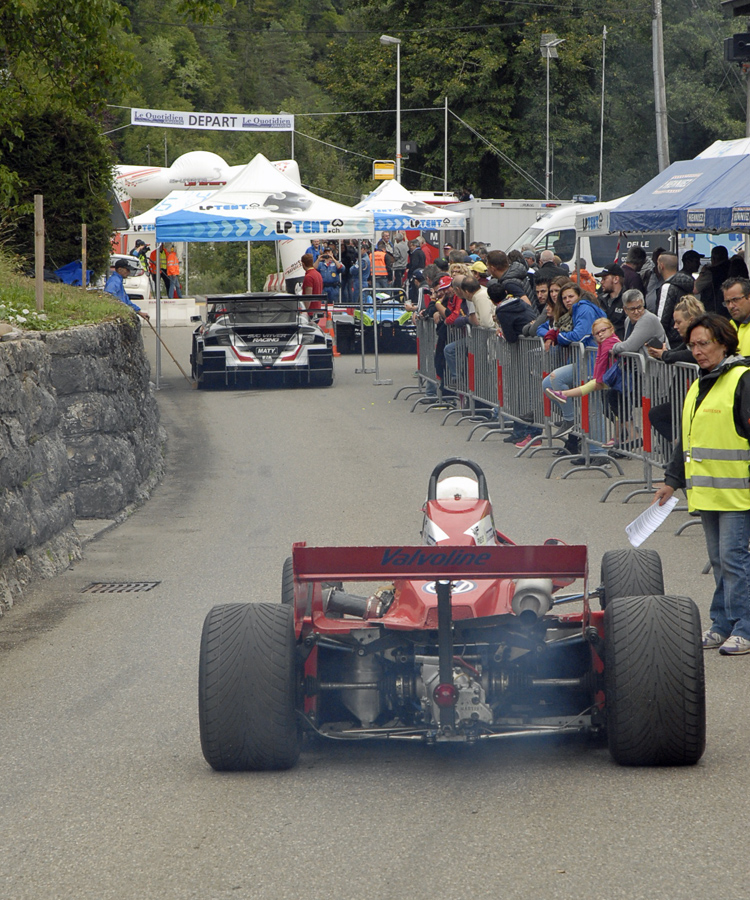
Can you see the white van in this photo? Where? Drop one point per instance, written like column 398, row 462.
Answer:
column 556, row 231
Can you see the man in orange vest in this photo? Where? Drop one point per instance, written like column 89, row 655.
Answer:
column 382, row 266
column 162, row 270
column 173, row 273
column 587, row 279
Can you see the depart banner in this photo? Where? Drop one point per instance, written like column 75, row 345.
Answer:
column 163, row 118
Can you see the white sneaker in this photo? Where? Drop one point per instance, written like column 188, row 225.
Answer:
column 735, row 645
column 712, row 640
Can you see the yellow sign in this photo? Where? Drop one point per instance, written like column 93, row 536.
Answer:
column 383, row 169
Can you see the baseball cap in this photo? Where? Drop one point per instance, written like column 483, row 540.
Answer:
column 474, row 257
column 479, row 267
column 140, row 243
column 445, row 282
column 614, row 269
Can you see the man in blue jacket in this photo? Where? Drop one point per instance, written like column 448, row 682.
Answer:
column 115, row 286
column 330, row 268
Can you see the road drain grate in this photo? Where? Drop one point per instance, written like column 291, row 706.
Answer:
column 119, row 587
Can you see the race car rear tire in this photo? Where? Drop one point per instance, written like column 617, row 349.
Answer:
column 287, row 582
column 247, row 687
column 630, row 573
column 654, row 681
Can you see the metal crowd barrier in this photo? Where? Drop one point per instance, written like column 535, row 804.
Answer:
column 493, row 374
column 429, row 387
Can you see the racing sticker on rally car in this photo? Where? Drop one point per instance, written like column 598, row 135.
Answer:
column 457, row 587
column 483, row 532
column 432, row 533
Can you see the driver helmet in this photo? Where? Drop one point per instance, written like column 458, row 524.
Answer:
column 457, row 487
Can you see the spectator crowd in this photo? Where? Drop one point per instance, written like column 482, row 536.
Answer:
column 662, row 307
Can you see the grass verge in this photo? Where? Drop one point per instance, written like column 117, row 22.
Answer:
column 64, row 305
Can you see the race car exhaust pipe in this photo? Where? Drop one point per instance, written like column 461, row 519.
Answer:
column 532, row 598
column 340, row 603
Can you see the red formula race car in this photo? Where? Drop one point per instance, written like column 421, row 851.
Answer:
column 464, row 640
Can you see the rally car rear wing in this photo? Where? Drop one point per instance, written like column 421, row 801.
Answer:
column 318, row 564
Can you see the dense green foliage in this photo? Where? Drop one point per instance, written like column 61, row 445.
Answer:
column 485, row 57
column 82, row 65
column 61, row 64
column 482, row 54
column 54, row 145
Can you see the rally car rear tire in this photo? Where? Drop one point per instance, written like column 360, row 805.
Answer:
column 633, row 572
column 287, row 582
column 654, row 681
column 247, row 687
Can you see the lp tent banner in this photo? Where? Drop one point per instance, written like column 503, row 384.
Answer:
column 262, row 204
column 394, row 208
column 209, row 121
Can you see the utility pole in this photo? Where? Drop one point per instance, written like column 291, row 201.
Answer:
column 445, row 154
column 548, row 45
column 660, row 91
column 601, row 117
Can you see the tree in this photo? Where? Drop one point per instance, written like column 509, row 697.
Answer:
column 61, row 64
column 485, row 57
column 55, row 146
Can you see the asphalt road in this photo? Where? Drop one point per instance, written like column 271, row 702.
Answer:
column 105, row 793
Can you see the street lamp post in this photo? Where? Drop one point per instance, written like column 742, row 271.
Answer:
column 548, row 46
column 387, row 39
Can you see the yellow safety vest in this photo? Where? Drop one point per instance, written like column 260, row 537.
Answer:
column 743, row 334
column 717, row 459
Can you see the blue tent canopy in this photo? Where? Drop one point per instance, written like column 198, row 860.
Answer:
column 705, row 195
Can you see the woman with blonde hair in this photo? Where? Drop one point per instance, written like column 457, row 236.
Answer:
column 688, row 308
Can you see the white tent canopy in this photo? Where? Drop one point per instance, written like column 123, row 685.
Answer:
column 394, row 208
column 198, row 170
column 739, row 147
column 262, row 204
column 172, row 202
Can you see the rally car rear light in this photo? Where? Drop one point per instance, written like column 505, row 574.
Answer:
column 445, row 695
column 217, row 340
column 292, row 355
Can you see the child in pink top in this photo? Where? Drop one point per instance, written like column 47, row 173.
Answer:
column 603, row 332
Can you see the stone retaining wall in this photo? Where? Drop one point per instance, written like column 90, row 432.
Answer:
column 79, row 438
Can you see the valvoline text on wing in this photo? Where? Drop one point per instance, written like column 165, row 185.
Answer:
column 396, row 556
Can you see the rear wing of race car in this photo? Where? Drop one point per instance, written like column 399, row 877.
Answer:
column 259, row 310
column 318, row 564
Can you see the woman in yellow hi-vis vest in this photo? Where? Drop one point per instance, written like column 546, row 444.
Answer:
column 712, row 460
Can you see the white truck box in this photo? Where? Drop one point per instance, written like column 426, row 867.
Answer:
column 499, row 222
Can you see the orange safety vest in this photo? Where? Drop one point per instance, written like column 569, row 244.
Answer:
column 587, row 280
column 152, row 261
column 173, row 263
column 379, row 268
